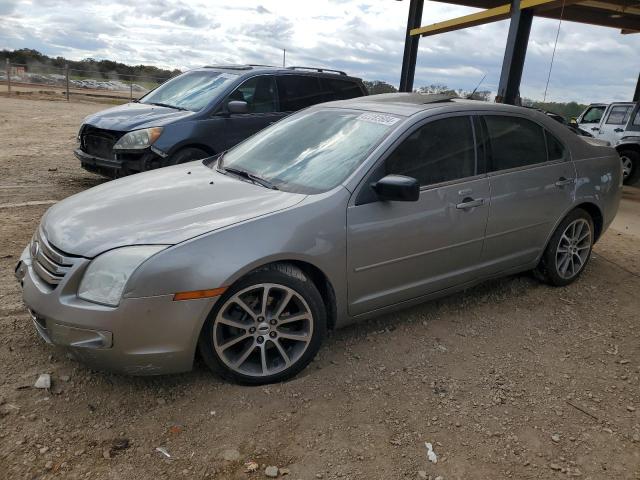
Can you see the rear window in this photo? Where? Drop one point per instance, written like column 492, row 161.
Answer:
column 555, row 149
column 298, row 91
column 515, row 142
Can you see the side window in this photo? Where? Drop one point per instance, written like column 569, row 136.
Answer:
column 619, row 115
column 515, row 142
column 298, row 91
column 555, row 149
column 439, row 151
column 636, row 120
column 336, row 89
column 259, row 93
column 593, row 115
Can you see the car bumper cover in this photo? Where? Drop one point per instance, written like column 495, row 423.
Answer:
column 142, row 336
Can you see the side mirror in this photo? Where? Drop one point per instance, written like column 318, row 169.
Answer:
column 238, row 106
column 397, row 188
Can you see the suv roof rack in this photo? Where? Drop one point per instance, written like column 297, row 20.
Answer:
column 322, row 70
column 230, row 67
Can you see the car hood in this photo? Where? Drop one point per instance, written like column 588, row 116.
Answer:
column 165, row 206
column 133, row 116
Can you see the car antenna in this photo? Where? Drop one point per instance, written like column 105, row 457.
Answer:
column 470, row 96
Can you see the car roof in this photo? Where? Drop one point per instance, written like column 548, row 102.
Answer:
column 249, row 70
column 408, row 104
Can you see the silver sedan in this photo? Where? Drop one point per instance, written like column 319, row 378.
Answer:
column 335, row 214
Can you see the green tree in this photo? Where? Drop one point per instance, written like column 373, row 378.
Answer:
column 375, row 87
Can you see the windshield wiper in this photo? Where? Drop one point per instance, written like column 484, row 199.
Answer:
column 166, row 105
column 249, row 176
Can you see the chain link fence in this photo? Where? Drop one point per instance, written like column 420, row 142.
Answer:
column 20, row 79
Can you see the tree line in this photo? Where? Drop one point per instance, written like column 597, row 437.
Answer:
column 86, row 67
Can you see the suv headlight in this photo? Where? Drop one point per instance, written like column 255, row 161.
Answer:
column 106, row 276
column 138, row 139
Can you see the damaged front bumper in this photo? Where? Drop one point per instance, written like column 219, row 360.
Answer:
column 122, row 164
column 142, row 336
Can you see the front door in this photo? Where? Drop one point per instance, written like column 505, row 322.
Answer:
column 532, row 182
column 262, row 103
column 402, row 250
column 616, row 119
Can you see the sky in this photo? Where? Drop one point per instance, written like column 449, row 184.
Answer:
column 363, row 37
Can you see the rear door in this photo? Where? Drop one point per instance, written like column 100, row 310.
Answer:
column 532, row 181
column 615, row 120
column 397, row 251
column 262, row 101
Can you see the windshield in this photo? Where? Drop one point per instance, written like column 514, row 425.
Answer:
column 189, row 91
column 312, row 151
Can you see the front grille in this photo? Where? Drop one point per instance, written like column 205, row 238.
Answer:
column 49, row 263
column 98, row 142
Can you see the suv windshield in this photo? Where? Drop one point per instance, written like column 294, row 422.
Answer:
column 312, row 151
column 189, row 91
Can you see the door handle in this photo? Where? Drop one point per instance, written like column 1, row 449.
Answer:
column 618, row 130
column 470, row 203
column 595, row 128
column 564, row 181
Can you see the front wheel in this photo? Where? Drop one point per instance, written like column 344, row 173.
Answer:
column 265, row 328
column 568, row 250
column 630, row 166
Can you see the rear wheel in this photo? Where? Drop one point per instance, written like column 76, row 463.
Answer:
column 630, row 166
column 266, row 328
column 568, row 250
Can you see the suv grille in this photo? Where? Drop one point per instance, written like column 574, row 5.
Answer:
column 98, row 142
column 49, row 263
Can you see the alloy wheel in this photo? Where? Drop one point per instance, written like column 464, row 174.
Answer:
column 627, row 166
column 262, row 330
column 573, row 248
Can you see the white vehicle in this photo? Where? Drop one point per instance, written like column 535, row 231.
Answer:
column 619, row 124
column 589, row 120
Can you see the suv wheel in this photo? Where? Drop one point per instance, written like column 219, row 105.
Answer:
column 568, row 250
column 265, row 328
column 630, row 166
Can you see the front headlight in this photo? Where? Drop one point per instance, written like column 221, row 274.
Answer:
column 138, row 139
column 106, row 276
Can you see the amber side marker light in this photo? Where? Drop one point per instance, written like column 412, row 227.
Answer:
column 195, row 294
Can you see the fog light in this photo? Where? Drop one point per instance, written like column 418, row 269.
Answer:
column 20, row 271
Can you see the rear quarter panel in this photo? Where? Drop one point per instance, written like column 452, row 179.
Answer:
column 599, row 176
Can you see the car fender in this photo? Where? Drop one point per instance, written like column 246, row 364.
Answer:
column 312, row 232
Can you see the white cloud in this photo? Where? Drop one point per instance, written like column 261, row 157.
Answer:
column 363, row 37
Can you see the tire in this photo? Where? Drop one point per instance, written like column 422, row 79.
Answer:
column 186, row 155
column 568, row 251
column 252, row 344
column 631, row 166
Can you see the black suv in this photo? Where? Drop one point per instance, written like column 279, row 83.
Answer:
column 203, row 112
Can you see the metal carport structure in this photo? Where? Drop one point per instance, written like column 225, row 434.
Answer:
column 620, row 14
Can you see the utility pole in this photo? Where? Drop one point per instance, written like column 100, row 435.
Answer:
column 284, row 56
column 131, row 88
column 66, row 74
column 8, row 77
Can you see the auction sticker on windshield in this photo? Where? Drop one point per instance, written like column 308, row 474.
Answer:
column 379, row 118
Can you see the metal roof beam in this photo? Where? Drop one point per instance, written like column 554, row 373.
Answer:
column 490, row 15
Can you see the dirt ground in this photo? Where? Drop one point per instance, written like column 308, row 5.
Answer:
column 512, row 379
